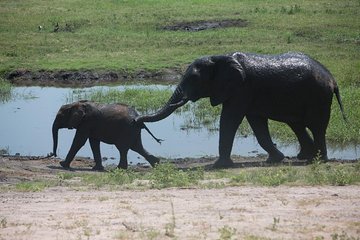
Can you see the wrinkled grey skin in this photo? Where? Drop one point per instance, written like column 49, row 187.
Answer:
column 291, row 88
column 108, row 123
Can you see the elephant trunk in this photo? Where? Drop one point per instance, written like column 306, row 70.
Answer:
column 55, row 131
column 177, row 100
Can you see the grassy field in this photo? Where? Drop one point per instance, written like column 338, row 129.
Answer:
column 128, row 35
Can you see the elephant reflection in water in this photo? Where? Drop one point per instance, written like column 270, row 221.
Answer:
column 109, row 123
column 291, row 88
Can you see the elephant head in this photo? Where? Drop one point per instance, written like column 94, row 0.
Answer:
column 68, row 116
column 217, row 77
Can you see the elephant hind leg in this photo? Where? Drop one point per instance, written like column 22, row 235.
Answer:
column 318, row 128
column 320, row 143
column 261, row 130
column 138, row 147
column 307, row 148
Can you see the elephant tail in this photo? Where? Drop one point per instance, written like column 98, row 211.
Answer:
column 147, row 129
column 337, row 94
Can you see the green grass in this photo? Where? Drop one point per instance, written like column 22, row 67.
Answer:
column 5, row 90
column 315, row 174
column 126, row 35
column 145, row 99
column 116, row 177
column 34, row 186
column 167, row 175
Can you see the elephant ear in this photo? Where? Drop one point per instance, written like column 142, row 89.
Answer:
column 77, row 114
column 228, row 78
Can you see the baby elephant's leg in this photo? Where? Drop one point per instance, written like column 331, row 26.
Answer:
column 138, row 147
column 123, row 163
column 95, row 148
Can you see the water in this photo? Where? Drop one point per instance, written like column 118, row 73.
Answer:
column 26, row 129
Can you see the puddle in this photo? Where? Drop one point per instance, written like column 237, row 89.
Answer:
column 26, row 129
column 204, row 25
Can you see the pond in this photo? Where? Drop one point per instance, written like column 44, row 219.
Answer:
column 26, row 122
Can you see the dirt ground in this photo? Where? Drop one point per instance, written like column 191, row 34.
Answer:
column 245, row 212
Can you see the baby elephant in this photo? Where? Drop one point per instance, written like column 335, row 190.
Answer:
column 109, row 123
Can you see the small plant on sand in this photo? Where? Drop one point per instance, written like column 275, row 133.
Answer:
column 276, row 221
column 227, row 233
column 170, row 227
column 343, row 236
column 339, row 176
column 3, row 223
column 316, row 175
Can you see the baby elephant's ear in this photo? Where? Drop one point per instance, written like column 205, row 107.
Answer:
column 229, row 77
column 77, row 114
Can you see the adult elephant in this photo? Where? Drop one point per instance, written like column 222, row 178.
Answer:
column 109, row 123
column 291, row 88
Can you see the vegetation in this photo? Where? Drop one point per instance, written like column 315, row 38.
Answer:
column 138, row 96
column 129, row 35
column 167, row 175
column 5, row 90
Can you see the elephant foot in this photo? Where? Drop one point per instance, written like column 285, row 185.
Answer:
column 65, row 164
column 275, row 158
column 303, row 155
column 98, row 168
column 153, row 161
column 122, row 166
column 223, row 164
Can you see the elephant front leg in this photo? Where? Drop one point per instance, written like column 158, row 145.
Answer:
column 229, row 123
column 79, row 141
column 138, row 147
column 95, row 148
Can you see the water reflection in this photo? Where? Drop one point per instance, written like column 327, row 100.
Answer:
column 26, row 129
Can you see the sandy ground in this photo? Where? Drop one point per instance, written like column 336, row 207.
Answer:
column 227, row 213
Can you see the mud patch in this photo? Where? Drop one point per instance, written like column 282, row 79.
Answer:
column 205, row 25
column 86, row 78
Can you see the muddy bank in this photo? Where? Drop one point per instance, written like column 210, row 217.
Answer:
column 201, row 25
column 16, row 168
column 87, row 78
